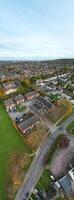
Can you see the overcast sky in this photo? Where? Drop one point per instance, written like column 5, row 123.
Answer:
column 36, row 29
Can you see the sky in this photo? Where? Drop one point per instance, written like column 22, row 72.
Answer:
column 36, row 29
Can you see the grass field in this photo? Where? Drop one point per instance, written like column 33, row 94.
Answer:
column 10, row 143
column 70, row 128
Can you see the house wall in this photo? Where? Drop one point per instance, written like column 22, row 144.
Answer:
column 10, row 107
column 32, row 97
column 51, row 109
column 26, row 131
column 19, row 102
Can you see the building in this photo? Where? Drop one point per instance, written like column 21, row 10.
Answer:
column 9, row 104
column 10, row 87
column 28, row 124
column 66, row 183
column 19, row 99
column 45, row 103
column 71, row 174
column 31, row 95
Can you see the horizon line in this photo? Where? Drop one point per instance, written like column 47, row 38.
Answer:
column 35, row 60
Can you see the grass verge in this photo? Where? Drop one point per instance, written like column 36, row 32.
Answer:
column 10, row 143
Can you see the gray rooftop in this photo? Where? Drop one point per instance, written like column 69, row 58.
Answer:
column 11, row 85
column 31, row 93
column 46, row 103
column 18, row 97
column 29, row 122
column 8, row 102
column 68, row 186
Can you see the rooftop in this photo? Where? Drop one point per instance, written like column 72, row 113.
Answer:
column 8, row 102
column 67, row 184
column 31, row 93
column 29, row 122
column 71, row 174
column 18, row 97
column 44, row 102
column 11, row 85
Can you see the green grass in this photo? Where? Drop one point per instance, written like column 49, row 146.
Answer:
column 10, row 143
column 20, row 108
column 60, row 198
column 32, row 197
column 70, row 128
column 44, row 181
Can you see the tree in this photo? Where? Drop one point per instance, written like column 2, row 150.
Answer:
column 1, row 92
column 25, row 83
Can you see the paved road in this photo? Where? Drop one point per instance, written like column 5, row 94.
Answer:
column 38, row 162
column 36, row 167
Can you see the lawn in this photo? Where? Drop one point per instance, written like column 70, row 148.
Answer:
column 70, row 128
column 60, row 198
column 37, row 135
column 20, row 108
column 44, row 181
column 32, row 197
column 10, row 143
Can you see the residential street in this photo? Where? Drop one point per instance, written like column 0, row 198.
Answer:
column 38, row 162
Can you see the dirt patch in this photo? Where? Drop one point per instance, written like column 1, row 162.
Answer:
column 18, row 166
column 35, row 138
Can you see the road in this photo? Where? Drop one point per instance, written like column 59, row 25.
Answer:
column 38, row 162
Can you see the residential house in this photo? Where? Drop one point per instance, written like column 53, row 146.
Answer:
column 9, row 104
column 28, row 124
column 10, row 87
column 19, row 99
column 67, row 184
column 45, row 103
column 31, row 95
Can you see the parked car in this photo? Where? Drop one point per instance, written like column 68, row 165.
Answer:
column 14, row 110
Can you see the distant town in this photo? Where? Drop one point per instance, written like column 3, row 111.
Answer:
column 37, row 130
